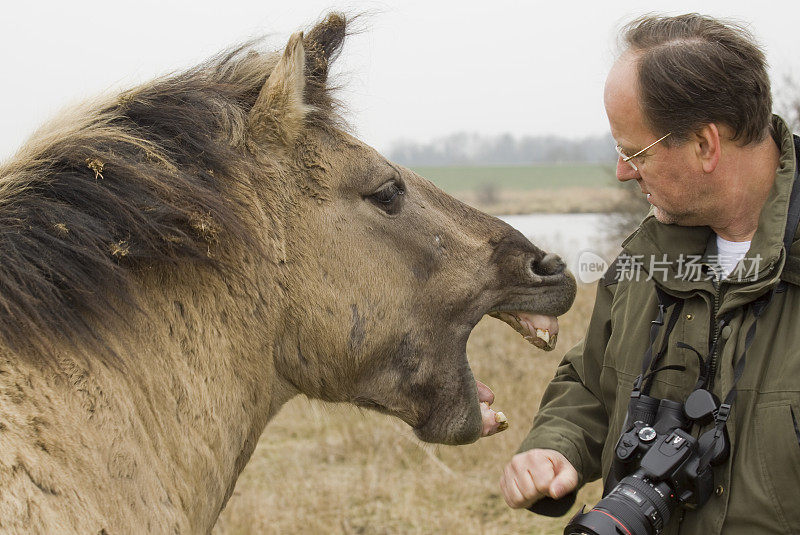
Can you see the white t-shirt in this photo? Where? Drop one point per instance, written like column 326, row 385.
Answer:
column 730, row 253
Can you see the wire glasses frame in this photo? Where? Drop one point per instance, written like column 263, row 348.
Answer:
column 628, row 159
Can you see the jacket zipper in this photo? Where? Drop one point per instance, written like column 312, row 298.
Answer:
column 712, row 369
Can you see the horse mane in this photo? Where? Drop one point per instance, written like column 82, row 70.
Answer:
column 157, row 176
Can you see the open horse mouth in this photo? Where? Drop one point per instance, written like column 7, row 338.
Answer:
column 540, row 330
column 529, row 293
column 529, row 319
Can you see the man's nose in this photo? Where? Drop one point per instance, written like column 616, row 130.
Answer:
column 625, row 171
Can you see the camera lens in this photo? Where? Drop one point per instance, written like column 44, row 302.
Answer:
column 635, row 506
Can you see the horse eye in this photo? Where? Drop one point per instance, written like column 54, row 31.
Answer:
column 388, row 197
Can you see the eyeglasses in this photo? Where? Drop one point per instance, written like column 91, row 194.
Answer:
column 629, row 159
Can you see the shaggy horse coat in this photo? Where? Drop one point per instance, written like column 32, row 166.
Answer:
column 180, row 260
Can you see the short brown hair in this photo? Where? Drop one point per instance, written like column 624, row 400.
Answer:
column 695, row 70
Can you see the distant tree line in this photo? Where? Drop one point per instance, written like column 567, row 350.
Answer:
column 476, row 149
column 465, row 148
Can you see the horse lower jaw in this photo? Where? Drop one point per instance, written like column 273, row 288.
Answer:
column 452, row 430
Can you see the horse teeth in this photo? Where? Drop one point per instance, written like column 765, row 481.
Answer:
column 544, row 334
column 502, row 421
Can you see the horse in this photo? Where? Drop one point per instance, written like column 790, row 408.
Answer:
column 180, row 259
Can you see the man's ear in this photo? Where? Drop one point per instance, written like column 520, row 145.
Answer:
column 280, row 110
column 709, row 146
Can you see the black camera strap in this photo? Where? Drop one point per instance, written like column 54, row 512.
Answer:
column 702, row 378
column 644, row 382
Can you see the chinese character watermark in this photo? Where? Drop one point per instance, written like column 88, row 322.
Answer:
column 591, row 267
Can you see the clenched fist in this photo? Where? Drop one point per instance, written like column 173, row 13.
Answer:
column 534, row 474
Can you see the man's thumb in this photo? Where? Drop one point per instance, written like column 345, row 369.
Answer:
column 564, row 482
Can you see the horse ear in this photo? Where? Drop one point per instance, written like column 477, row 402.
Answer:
column 280, row 109
column 323, row 43
column 297, row 85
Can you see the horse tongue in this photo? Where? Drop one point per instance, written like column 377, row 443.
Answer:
column 538, row 329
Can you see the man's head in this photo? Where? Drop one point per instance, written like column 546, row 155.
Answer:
column 703, row 82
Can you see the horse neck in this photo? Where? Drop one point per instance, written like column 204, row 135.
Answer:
column 161, row 436
column 211, row 387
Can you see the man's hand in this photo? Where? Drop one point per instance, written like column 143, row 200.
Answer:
column 536, row 473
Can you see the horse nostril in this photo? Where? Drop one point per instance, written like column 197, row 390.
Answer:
column 550, row 264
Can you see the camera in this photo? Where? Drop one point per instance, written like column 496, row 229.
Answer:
column 658, row 466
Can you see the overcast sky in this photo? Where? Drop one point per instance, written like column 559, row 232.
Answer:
column 419, row 70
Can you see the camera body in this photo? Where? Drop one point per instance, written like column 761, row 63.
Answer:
column 658, row 466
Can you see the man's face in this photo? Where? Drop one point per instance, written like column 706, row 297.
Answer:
column 671, row 177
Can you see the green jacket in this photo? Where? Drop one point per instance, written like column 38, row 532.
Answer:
column 584, row 406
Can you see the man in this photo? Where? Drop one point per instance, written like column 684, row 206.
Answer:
column 688, row 102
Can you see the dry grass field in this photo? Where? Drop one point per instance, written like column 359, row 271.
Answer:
column 333, row 469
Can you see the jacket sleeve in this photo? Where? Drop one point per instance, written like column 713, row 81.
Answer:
column 572, row 418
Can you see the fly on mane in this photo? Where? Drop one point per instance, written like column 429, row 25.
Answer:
column 157, row 176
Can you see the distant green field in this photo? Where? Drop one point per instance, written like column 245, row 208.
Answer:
column 528, row 177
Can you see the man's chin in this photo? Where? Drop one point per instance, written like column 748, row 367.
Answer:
column 664, row 217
